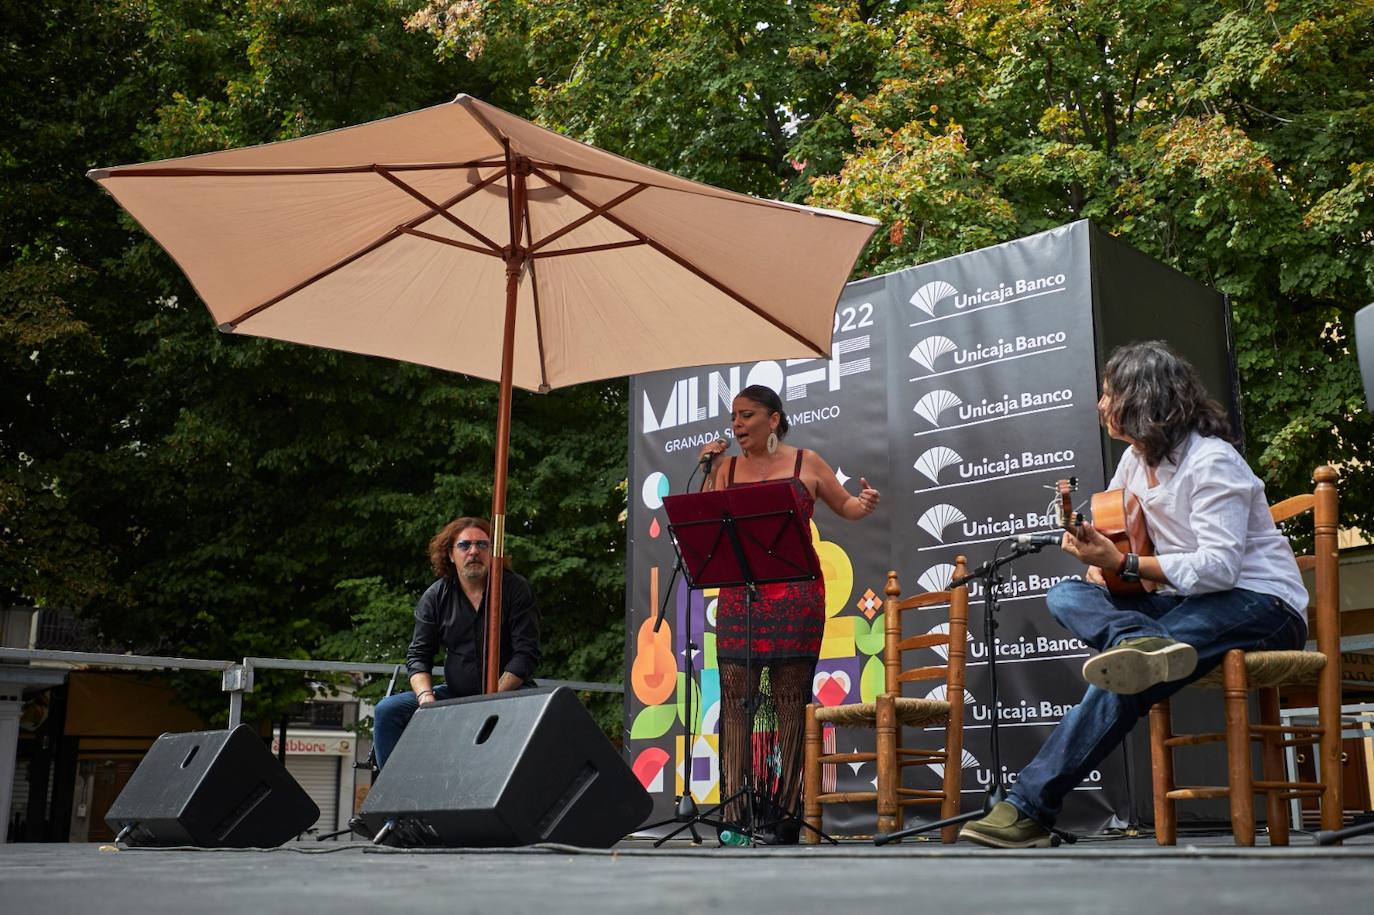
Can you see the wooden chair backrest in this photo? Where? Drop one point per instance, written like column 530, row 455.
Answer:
column 954, row 638
column 1323, row 503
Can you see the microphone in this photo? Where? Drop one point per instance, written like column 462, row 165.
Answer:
column 709, row 458
column 1038, row 540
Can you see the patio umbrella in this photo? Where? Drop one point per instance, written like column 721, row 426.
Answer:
column 465, row 238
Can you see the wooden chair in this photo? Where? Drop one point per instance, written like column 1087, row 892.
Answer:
column 892, row 711
column 1267, row 671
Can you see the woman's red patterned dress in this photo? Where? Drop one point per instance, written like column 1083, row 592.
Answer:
column 789, row 617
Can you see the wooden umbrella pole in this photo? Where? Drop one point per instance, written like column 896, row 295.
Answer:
column 516, row 257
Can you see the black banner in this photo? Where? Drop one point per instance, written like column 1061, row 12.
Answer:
column 994, row 399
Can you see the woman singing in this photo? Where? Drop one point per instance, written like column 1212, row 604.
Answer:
column 788, row 619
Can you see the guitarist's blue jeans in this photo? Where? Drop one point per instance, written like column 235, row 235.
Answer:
column 1211, row 623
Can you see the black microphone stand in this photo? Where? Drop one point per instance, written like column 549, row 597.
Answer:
column 1334, row 836
column 685, row 811
column 989, row 573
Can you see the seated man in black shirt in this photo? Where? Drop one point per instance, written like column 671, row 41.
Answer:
column 453, row 613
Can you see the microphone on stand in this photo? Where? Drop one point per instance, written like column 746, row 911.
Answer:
column 1021, row 545
column 1035, row 542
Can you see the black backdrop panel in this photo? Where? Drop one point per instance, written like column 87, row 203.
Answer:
column 998, row 381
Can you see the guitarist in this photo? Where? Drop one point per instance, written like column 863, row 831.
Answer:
column 1224, row 576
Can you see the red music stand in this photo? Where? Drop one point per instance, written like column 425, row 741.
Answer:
column 745, row 536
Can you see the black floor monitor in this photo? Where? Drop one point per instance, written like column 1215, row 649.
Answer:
column 214, row 789
column 517, row 768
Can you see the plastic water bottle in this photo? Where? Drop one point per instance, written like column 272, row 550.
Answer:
column 733, row 839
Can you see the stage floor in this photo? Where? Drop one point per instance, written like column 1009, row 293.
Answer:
column 1097, row 875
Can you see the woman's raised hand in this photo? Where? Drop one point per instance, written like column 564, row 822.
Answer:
column 711, row 449
column 868, row 497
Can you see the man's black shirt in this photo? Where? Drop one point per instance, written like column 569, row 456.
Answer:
column 445, row 616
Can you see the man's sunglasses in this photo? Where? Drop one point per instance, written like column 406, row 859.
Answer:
column 465, row 546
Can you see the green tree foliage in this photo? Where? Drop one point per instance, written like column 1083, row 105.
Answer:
column 1233, row 140
column 226, row 496
column 729, row 92
column 219, row 496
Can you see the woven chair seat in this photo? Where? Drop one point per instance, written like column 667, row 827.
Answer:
column 909, row 712
column 1272, row 668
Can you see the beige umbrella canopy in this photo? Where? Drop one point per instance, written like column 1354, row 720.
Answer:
column 465, row 238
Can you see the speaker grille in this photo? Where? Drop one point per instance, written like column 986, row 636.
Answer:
column 245, row 807
column 578, row 786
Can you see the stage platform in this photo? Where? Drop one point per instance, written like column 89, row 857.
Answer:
column 1093, row 876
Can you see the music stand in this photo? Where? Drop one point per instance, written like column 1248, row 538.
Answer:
column 740, row 537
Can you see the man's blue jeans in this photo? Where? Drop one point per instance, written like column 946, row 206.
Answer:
column 390, row 718
column 1212, row 623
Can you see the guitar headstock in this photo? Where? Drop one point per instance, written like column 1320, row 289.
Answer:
column 1064, row 515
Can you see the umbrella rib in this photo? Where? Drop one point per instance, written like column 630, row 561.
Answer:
column 583, row 220
column 512, row 232
column 685, row 264
column 391, row 235
column 441, row 210
column 480, row 118
column 99, row 174
column 589, row 249
column 534, row 294
column 706, row 190
column 450, row 241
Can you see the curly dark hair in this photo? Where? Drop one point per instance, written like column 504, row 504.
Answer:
column 441, row 547
column 767, row 398
column 1157, row 399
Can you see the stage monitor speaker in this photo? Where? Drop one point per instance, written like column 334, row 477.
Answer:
column 1364, row 347
column 512, row 769
column 214, row 789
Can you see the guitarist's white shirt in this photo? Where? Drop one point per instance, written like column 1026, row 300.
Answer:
column 1210, row 523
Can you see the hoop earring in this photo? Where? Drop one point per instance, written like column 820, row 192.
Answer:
column 772, row 442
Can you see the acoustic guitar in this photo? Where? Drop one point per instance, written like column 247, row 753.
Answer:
column 1118, row 516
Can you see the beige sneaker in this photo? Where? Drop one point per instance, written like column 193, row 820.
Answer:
column 1134, row 665
column 1005, row 827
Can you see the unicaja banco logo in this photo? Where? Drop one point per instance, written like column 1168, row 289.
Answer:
column 937, row 577
column 932, row 294
column 936, row 459
column 938, row 517
column 966, row 761
column 931, row 348
column 930, row 406
column 941, row 692
column 943, row 651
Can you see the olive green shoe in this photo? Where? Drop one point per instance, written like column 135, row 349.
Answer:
column 1005, row 827
column 1134, row 665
